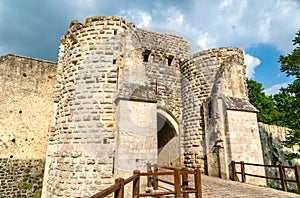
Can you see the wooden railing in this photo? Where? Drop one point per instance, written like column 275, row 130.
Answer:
column 180, row 183
column 281, row 171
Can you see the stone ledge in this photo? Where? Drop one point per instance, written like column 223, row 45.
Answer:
column 233, row 103
column 136, row 92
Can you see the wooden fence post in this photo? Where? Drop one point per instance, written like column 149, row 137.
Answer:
column 136, row 184
column 120, row 192
column 243, row 172
column 198, row 186
column 155, row 185
column 282, row 177
column 185, row 183
column 297, row 175
column 177, row 183
column 148, row 176
column 233, row 170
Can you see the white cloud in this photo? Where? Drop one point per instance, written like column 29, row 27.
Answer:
column 146, row 19
column 247, row 23
column 275, row 89
column 225, row 3
column 265, row 28
column 174, row 17
column 211, row 23
column 251, row 62
column 139, row 17
column 205, row 42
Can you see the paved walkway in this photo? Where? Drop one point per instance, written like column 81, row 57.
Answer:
column 216, row 187
column 213, row 187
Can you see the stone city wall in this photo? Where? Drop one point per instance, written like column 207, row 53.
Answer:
column 25, row 106
column 274, row 153
column 21, row 177
column 25, row 114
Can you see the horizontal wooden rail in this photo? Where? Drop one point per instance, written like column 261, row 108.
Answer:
column 264, row 165
column 130, row 179
column 107, row 191
column 157, row 173
column 181, row 187
column 261, row 176
column 281, row 170
column 166, row 182
column 156, row 194
column 189, row 191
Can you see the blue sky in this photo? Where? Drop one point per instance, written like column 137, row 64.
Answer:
column 263, row 29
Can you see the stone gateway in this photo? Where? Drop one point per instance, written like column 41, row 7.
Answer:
column 126, row 96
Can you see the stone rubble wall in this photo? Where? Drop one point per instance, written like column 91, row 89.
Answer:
column 26, row 87
column 21, row 177
column 272, row 138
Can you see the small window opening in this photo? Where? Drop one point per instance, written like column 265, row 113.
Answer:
column 114, row 61
column 115, row 32
column 146, row 55
column 20, row 111
column 105, row 141
column 170, row 59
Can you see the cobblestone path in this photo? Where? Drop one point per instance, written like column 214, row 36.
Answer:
column 216, row 187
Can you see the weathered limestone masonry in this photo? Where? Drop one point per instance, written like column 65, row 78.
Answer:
column 166, row 54
column 25, row 113
column 123, row 97
column 274, row 152
column 231, row 124
column 21, row 177
column 126, row 96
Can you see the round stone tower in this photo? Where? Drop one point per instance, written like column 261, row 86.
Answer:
column 82, row 136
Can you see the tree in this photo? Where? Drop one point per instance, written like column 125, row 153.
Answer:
column 288, row 100
column 265, row 104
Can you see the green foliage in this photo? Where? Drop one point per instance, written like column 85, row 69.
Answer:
column 26, row 170
column 24, row 185
column 265, row 104
column 287, row 108
column 288, row 100
column 37, row 194
column 282, row 109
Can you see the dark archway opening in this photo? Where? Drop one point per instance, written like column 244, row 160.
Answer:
column 166, row 132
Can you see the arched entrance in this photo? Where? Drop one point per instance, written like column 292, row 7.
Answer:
column 167, row 140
